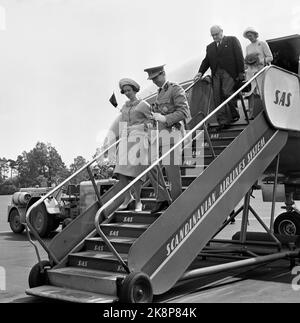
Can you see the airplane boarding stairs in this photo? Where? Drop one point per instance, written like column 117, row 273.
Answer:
column 131, row 256
column 163, row 246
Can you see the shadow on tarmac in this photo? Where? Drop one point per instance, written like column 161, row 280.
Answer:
column 11, row 236
column 36, row 300
column 277, row 272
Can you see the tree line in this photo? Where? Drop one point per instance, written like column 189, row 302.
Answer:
column 42, row 166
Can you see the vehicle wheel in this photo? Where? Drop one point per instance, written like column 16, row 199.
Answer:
column 36, row 277
column 15, row 223
column 136, row 288
column 287, row 224
column 41, row 220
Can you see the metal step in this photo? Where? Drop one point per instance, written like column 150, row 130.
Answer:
column 104, row 261
column 148, row 204
column 70, row 295
column 191, row 169
column 221, row 141
column 207, row 150
column 185, row 167
column 231, row 132
column 88, row 280
column 117, row 230
column 194, row 171
column 187, row 180
column 122, row 245
column 199, row 160
column 194, row 163
column 147, row 192
column 134, row 217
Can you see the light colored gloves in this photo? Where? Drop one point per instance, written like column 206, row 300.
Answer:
column 159, row 117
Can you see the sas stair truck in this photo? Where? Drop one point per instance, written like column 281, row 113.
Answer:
column 107, row 256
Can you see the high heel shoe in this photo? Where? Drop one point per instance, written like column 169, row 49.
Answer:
column 124, row 206
column 138, row 207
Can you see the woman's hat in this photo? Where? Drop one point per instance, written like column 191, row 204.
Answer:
column 130, row 82
column 250, row 30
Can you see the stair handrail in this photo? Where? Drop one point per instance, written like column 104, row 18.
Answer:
column 44, row 197
column 155, row 163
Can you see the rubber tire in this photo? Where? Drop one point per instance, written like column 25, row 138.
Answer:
column 47, row 225
column 289, row 217
column 12, row 217
column 136, row 283
column 36, row 278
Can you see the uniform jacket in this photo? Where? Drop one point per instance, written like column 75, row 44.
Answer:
column 172, row 102
column 228, row 56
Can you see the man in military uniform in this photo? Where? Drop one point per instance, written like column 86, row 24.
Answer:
column 170, row 111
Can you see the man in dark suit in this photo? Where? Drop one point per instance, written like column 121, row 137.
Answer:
column 225, row 58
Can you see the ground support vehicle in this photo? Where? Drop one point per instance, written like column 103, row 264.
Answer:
column 60, row 208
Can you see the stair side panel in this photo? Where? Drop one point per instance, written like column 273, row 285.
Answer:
column 151, row 249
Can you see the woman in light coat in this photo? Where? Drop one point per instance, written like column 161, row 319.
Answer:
column 258, row 55
column 133, row 150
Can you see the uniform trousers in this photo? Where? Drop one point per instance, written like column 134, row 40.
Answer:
column 171, row 165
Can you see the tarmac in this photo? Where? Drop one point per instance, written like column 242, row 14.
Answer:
column 269, row 283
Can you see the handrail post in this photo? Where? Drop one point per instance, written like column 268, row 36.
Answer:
column 94, row 185
column 274, row 194
column 244, row 108
column 245, row 217
column 31, row 242
column 114, row 251
column 209, row 141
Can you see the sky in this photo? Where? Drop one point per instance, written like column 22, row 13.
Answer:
column 60, row 60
